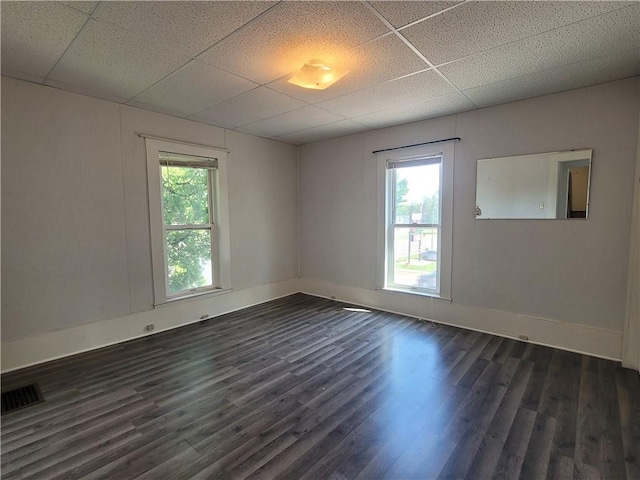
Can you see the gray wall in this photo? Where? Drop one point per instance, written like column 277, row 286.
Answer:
column 571, row 271
column 631, row 344
column 75, row 222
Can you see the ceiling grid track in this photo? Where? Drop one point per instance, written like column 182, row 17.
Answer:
column 416, row 51
column 228, row 65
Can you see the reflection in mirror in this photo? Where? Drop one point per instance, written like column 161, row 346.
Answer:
column 544, row 185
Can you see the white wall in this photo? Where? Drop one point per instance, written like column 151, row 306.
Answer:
column 547, row 274
column 262, row 178
column 631, row 344
column 75, row 212
column 64, row 235
column 76, row 270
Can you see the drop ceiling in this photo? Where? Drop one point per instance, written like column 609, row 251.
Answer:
column 227, row 63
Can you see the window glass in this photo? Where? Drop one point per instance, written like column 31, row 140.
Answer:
column 417, row 194
column 415, row 257
column 413, row 245
column 188, row 259
column 185, row 195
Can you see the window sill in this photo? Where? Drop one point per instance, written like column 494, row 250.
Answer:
column 194, row 296
column 414, row 292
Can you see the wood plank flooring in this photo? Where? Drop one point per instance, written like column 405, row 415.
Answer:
column 300, row 388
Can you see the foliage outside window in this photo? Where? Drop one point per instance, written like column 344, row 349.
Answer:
column 188, row 213
column 188, row 227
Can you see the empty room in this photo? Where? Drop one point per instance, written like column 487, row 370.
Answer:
column 320, row 240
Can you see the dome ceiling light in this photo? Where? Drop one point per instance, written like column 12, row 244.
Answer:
column 316, row 75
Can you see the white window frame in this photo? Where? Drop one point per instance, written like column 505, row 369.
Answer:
column 219, row 218
column 386, row 221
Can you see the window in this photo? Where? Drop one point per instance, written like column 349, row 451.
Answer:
column 188, row 219
column 416, row 205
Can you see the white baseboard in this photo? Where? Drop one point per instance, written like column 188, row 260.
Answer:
column 90, row 336
column 56, row 344
column 592, row 341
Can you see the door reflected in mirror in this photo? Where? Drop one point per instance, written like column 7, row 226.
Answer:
column 553, row 185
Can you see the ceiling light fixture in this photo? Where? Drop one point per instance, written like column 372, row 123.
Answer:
column 316, row 75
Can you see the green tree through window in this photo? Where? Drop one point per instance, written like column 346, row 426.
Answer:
column 185, row 195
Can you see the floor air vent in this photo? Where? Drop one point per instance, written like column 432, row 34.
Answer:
column 20, row 398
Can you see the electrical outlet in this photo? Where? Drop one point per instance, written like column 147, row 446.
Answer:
column 149, row 327
column 523, row 337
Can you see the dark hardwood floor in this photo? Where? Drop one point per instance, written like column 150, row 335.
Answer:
column 300, row 388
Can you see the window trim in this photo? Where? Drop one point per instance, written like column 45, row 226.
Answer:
column 219, row 217
column 385, row 225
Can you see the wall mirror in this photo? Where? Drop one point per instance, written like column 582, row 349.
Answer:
column 553, row 185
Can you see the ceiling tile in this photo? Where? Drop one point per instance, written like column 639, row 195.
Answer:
column 193, row 88
column 250, row 107
column 566, row 77
column 290, row 122
column 495, row 51
column 8, row 72
column 478, row 26
column 190, row 27
column 85, row 91
column 279, row 42
column 415, row 88
column 86, row 7
column 36, row 34
column 332, row 130
column 606, row 34
column 400, row 14
column 113, row 61
column 436, row 107
column 157, row 109
column 368, row 64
